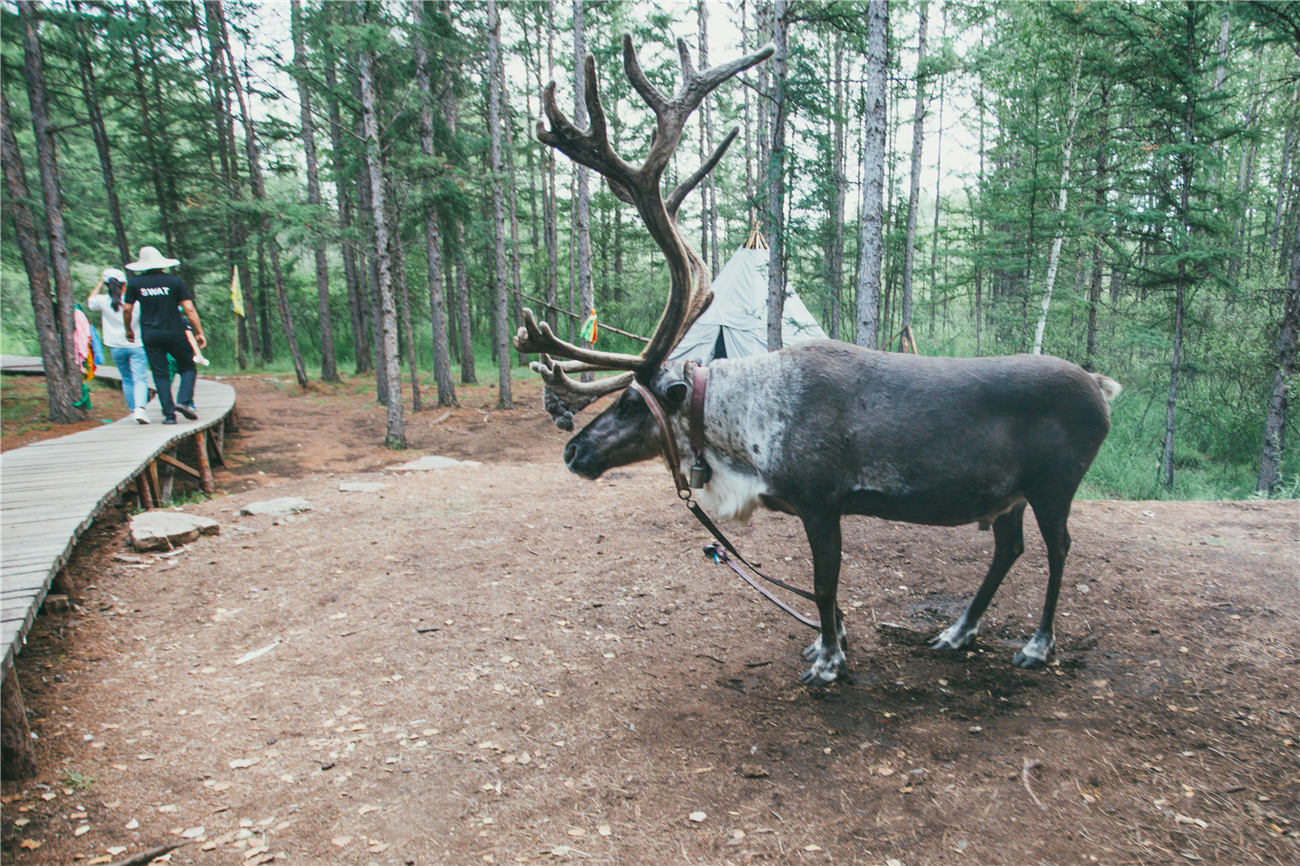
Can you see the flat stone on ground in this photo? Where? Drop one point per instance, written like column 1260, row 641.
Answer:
column 164, row 530
column 362, row 486
column 432, row 461
column 277, row 507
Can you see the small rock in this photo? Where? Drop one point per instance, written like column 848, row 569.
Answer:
column 434, row 462
column 697, row 817
column 163, row 530
column 362, row 486
column 277, row 507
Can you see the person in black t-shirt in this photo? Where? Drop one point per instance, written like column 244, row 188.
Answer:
column 160, row 298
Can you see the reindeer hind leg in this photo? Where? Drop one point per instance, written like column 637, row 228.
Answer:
column 1009, row 543
column 1052, row 523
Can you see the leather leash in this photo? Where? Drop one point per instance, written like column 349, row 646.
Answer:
column 699, row 376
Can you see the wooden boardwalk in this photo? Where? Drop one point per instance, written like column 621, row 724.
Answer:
column 51, row 491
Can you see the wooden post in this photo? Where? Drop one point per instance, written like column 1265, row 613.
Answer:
column 205, row 469
column 17, row 755
column 214, row 440
column 152, row 473
column 142, row 487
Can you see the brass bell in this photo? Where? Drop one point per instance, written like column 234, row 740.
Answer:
column 700, row 473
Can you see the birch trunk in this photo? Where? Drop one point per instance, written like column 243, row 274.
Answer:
column 396, row 433
column 582, row 195
column 1062, row 201
column 776, row 182
column 871, row 247
column 496, row 84
column 914, row 195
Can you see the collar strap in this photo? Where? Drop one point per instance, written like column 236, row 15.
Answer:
column 699, row 380
column 670, row 443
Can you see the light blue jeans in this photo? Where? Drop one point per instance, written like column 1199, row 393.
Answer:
column 134, row 367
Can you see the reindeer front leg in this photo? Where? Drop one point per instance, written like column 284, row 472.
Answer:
column 827, row 652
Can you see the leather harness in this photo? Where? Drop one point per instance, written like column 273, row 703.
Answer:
column 699, row 377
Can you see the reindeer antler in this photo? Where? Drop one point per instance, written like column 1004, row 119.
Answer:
column 689, row 293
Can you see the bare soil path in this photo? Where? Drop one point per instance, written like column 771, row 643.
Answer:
column 506, row 663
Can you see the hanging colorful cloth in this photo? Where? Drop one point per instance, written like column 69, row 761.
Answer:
column 96, row 345
column 588, row 330
column 84, row 338
column 236, row 296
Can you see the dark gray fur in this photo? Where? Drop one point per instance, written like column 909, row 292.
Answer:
column 826, row 429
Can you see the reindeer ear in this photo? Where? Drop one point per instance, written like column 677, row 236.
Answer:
column 674, row 394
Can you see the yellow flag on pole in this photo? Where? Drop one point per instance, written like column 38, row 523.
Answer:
column 236, row 296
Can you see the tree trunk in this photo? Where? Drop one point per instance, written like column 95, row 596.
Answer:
column 1180, row 286
column 368, row 292
column 149, row 134
column 361, row 356
column 496, row 88
column 749, row 126
column 871, row 226
column 404, row 308
column 1287, row 360
column 839, row 189
column 516, row 269
column 90, row 94
column 65, row 366
column 259, row 193
column 464, row 325
column 432, row 231
column 776, row 181
column 396, row 435
column 582, row 196
column 914, row 195
column 1099, row 208
column 248, row 337
column 1284, row 170
column 16, row 754
column 552, row 205
column 328, row 365
column 59, row 389
column 1062, row 199
column 938, row 191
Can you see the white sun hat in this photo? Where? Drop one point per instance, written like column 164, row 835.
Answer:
column 151, row 260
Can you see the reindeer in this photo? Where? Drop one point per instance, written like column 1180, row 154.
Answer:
column 826, row 428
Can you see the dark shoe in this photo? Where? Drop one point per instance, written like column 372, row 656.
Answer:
column 169, row 420
column 188, row 411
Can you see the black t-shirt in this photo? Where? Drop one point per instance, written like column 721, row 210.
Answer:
column 157, row 297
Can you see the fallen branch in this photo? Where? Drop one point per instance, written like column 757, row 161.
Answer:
column 150, row 855
column 1024, row 777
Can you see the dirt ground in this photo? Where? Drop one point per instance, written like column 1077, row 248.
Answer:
column 506, row 663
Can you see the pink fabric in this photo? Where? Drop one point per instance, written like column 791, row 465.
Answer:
column 81, row 335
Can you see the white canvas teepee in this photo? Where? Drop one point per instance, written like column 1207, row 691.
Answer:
column 735, row 324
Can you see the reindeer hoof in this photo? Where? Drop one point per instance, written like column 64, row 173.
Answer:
column 953, row 638
column 828, row 668
column 811, row 678
column 1035, row 653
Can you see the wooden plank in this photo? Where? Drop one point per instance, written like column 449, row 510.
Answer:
column 62, row 484
column 167, row 458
